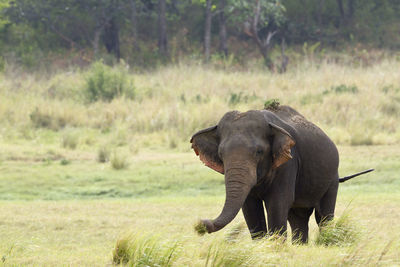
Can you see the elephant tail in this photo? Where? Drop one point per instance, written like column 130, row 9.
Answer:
column 344, row 179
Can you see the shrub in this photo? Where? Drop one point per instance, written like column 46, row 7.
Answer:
column 106, row 83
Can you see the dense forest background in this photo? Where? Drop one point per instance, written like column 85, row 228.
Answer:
column 145, row 33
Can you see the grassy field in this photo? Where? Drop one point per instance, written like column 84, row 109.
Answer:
column 61, row 205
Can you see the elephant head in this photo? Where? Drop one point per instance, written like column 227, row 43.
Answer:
column 246, row 148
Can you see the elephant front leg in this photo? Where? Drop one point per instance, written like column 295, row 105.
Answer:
column 277, row 218
column 253, row 212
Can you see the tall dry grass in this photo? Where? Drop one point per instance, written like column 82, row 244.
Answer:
column 173, row 102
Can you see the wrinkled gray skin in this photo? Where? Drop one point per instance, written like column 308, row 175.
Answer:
column 275, row 157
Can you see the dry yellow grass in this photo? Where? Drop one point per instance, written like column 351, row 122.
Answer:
column 176, row 101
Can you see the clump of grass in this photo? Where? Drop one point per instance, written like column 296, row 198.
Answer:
column 106, row 83
column 46, row 119
column 226, row 254
column 119, row 161
column 70, row 139
column 65, row 162
column 271, row 104
column 338, row 232
column 40, row 119
column 361, row 139
column 200, row 228
column 237, row 98
column 141, row 250
column 103, row 154
column 234, row 233
column 134, row 148
column 122, row 251
column 340, row 89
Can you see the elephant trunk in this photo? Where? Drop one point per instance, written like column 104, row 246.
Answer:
column 238, row 183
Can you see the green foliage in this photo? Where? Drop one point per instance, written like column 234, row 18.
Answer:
column 271, row 11
column 339, row 232
column 3, row 5
column 271, row 104
column 200, row 228
column 106, row 83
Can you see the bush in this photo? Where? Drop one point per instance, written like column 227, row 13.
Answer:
column 106, row 83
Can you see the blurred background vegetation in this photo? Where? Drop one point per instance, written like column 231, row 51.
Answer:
column 48, row 34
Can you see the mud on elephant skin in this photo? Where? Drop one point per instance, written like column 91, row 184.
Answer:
column 274, row 157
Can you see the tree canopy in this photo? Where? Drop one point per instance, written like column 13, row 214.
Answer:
column 146, row 32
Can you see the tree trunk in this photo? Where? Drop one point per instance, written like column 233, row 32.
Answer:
column 162, row 28
column 207, row 31
column 96, row 40
column 341, row 11
column 223, row 46
column 284, row 58
column 111, row 38
column 263, row 45
column 320, row 11
column 134, row 23
column 350, row 5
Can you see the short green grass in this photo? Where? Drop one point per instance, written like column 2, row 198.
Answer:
column 63, row 203
column 75, row 214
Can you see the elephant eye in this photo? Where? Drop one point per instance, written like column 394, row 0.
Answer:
column 259, row 152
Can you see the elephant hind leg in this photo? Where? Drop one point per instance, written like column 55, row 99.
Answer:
column 325, row 211
column 298, row 220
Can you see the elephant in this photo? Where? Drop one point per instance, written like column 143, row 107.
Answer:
column 273, row 157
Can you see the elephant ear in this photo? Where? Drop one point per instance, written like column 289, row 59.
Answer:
column 282, row 143
column 205, row 145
